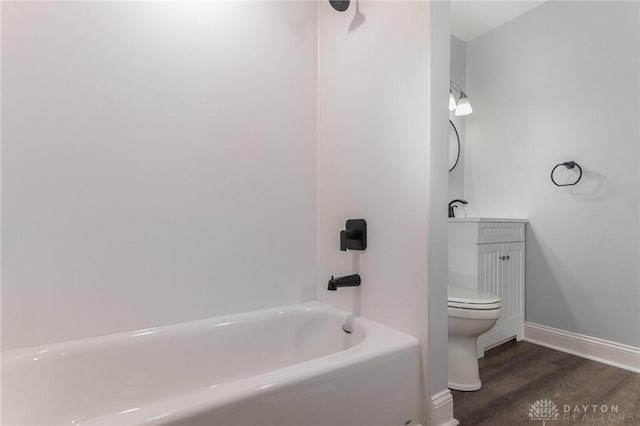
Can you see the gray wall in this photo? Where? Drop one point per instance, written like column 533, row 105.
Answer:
column 458, row 76
column 562, row 83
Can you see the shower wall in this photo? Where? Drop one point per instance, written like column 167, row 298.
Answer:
column 375, row 157
column 158, row 163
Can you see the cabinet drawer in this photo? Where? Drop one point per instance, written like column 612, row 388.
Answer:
column 500, row 232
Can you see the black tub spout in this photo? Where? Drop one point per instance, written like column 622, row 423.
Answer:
column 345, row 281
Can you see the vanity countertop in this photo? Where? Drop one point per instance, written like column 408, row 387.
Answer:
column 487, row 219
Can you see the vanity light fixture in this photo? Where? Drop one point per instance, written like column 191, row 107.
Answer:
column 462, row 106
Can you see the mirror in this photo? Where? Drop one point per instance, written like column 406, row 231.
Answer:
column 454, row 146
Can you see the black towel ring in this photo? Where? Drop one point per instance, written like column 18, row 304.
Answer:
column 568, row 165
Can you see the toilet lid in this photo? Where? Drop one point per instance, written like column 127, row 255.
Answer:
column 472, row 299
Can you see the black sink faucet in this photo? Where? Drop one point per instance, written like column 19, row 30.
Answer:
column 451, row 206
column 345, row 281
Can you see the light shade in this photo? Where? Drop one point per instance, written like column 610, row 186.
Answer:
column 464, row 106
column 452, row 101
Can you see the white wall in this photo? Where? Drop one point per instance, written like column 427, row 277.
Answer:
column 458, row 76
column 159, row 163
column 562, row 83
column 373, row 157
column 441, row 403
column 176, row 170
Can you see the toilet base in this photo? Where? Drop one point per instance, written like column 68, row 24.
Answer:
column 464, row 371
column 466, row 387
column 464, row 327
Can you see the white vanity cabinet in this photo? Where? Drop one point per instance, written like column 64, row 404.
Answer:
column 488, row 255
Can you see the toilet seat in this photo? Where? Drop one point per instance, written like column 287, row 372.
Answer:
column 475, row 306
column 463, row 298
column 474, row 314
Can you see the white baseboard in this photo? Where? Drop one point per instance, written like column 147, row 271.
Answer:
column 442, row 409
column 604, row 351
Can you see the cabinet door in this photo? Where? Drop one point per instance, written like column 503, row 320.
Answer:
column 506, row 280
column 513, row 283
column 490, row 270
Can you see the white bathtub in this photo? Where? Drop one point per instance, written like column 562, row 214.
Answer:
column 286, row 366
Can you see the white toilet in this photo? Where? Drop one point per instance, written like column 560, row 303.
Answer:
column 471, row 313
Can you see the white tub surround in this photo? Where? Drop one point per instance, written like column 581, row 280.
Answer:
column 284, row 366
column 176, row 190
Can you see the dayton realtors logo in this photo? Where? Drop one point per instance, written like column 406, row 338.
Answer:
column 594, row 413
column 545, row 410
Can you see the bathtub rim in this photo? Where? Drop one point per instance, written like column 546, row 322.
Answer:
column 122, row 338
column 379, row 341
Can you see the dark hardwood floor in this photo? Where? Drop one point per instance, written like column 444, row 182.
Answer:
column 516, row 375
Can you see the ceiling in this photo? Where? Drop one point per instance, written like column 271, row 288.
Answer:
column 472, row 18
